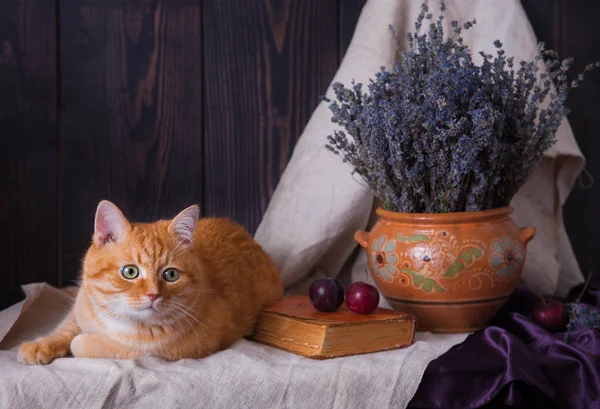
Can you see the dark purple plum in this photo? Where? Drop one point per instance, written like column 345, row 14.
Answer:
column 362, row 298
column 551, row 315
column 326, row 294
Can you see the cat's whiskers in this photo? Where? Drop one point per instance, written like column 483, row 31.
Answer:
column 192, row 329
column 191, row 316
column 192, row 311
column 175, row 316
column 188, row 314
column 184, row 331
column 97, row 308
column 108, row 301
column 108, row 312
column 103, row 311
column 167, row 312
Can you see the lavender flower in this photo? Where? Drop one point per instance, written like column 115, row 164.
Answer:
column 439, row 133
column 583, row 315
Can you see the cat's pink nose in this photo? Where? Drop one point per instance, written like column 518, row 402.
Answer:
column 152, row 297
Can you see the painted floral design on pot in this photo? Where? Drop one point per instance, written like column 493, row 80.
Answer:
column 452, row 271
column 383, row 256
column 507, row 257
column 428, row 257
column 435, row 259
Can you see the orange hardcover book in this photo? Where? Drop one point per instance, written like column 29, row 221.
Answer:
column 294, row 325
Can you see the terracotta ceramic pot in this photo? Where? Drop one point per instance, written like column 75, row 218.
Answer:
column 453, row 271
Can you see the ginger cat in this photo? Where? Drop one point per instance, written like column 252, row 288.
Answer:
column 184, row 288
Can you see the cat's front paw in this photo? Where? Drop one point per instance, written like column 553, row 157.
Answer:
column 81, row 347
column 100, row 346
column 41, row 352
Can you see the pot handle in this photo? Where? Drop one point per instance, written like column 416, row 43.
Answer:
column 362, row 237
column 526, row 234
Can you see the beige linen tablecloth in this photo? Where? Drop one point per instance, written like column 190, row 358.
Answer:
column 248, row 375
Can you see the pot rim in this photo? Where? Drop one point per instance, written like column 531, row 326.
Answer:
column 483, row 216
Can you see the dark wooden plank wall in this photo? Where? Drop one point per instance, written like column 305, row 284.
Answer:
column 260, row 91
column 164, row 103
column 131, row 129
column 29, row 242
column 571, row 28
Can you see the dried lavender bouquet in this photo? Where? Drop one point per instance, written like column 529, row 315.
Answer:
column 439, row 133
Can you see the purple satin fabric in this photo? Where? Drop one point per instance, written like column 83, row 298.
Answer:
column 516, row 363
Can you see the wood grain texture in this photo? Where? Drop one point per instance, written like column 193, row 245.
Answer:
column 349, row 12
column 571, row 28
column 266, row 65
column 131, row 113
column 28, row 145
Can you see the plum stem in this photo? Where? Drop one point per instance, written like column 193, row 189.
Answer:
column 543, row 300
column 367, row 274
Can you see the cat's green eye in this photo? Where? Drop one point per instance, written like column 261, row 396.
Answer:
column 130, row 272
column 170, row 275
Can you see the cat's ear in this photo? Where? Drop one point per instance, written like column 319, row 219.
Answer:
column 183, row 225
column 110, row 225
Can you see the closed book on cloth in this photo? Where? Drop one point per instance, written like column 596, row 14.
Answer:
column 294, row 325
